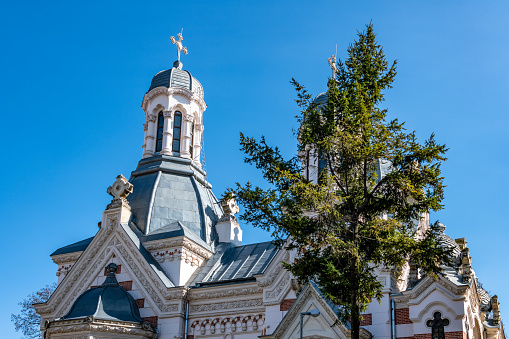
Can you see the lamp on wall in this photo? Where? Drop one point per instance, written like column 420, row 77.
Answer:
column 314, row 313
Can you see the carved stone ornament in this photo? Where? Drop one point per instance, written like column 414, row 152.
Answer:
column 151, row 118
column 230, row 208
column 120, row 189
column 168, row 114
column 188, row 117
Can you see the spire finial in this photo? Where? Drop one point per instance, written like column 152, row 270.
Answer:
column 111, row 279
column 178, row 43
column 333, row 65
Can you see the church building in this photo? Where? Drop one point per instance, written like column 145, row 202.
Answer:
column 168, row 260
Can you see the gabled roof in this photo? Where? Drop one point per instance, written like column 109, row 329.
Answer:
column 76, row 247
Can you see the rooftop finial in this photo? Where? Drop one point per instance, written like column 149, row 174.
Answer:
column 178, row 43
column 111, row 279
column 333, row 64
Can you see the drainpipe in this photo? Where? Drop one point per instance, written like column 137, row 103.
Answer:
column 393, row 319
column 186, row 318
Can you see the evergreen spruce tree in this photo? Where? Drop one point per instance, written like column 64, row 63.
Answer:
column 352, row 219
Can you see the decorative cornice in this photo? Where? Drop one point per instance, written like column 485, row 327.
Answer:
column 192, row 97
column 81, row 325
column 210, row 324
column 199, row 295
column 226, row 305
column 183, row 241
column 418, row 289
column 66, row 258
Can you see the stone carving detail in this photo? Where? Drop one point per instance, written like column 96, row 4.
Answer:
column 213, row 324
column 188, row 117
column 225, row 294
column 226, row 305
column 109, row 328
column 168, row 114
column 64, row 269
column 230, row 208
column 181, row 254
column 145, row 127
column 151, row 118
column 496, row 310
column 174, row 91
column 70, row 258
column 283, row 283
column 120, row 189
column 466, row 265
column 182, row 242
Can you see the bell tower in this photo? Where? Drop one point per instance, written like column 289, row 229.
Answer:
column 174, row 107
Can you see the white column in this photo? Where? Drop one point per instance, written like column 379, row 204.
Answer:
column 198, row 129
column 167, row 133
column 151, row 135
column 186, row 136
column 145, row 127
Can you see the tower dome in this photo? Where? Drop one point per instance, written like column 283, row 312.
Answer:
column 176, row 77
column 107, row 302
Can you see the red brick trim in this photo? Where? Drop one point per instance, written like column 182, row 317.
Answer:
column 127, row 285
column 151, row 320
column 286, row 304
column 403, row 316
column 140, row 303
column 190, row 336
column 367, row 319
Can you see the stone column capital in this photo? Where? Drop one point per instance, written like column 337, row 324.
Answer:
column 199, row 127
column 151, row 118
column 168, row 114
column 188, row 117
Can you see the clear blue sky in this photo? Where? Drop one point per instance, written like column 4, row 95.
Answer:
column 73, row 77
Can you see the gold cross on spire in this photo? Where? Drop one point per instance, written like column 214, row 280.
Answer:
column 333, row 65
column 178, row 43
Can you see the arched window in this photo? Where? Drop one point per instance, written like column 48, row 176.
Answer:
column 437, row 326
column 160, row 126
column 177, row 125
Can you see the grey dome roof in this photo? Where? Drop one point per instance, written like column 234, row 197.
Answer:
column 108, row 302
column 176, row 77
column 172, row 198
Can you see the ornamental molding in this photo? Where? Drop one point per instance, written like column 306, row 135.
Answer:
column 210, row 325
column 275, row 295
column 145, row 127
column 92, row 260
column 70, row 287
column 226, row 305
column 66, row 258
column 180, row 242
column 161, row 90
column 120, row 328
column 188, row 117
column 225, row 293
column 151, row 118
column 423, row 285
column 168, row 114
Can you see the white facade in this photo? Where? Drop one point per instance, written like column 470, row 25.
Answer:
column 170, row 277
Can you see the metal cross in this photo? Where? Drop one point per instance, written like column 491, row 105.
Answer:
column 179, row 45
column 333, row 65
